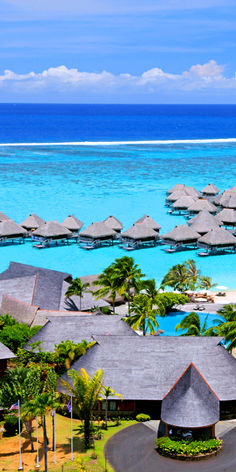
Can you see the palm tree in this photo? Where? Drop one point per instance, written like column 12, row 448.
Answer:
column 192, row 273
column 205, row 282
column 109, row 392
column 192, row 324
column 144, row 314
column 128, row 275
column 177, row 278
column 108, row 284
column 148, row 287
column 77, row 288
column 227, row 326
column 87, row 392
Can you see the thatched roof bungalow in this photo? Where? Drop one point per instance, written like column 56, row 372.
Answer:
column 201, row 204
column 181, row 235
column 148, row 221
column 53, row 230
column 182, row 204
column 217, row 238
column 227, row 216
column 192, row 192
column 32, row 222
column 113, row 223
column 139, row 235
column 3, row 217
column 173, row 197
column 210, row 190
column 72, row 223
column 9, row 230
column 204, row 222
column 97, row 234
column 229, row 202
column 176, row 187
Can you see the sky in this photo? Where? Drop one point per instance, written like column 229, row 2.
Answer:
column 118, row 51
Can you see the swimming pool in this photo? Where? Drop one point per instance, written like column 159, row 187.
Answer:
column 170, row 321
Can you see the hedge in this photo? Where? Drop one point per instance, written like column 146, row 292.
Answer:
column 172, row 447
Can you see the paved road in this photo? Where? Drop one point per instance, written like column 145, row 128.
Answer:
column 132, row 450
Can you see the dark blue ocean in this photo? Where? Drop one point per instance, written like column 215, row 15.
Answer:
column 94, row 180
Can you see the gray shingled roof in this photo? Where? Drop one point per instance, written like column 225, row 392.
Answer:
column 72, row 223
column 52, row 229
column 20, row 288
column 32, row 221
column 176, row 187
column 48, row 284
column 5, row 352
column 202, row 204
column 79, row 327
column 190, row 403
column 218, row 237
column 227, row 216
column 148, row 221
column 184, row 202
column 113, row 223
column 146, row 367
column 181, row 233
column 203, row 222
column 140, row 232
column 10, row 229
column 97, row 230
column 210, row 189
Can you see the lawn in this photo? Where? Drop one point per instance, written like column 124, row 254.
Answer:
column 93, row 459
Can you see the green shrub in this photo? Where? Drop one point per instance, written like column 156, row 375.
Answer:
column 172, row 447
column 11, row 425
column 143, row 417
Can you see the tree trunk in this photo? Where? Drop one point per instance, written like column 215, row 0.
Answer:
column 80, row 301
column 87, row 433
column 45, row 445
column 128, row 292
column 53, row 431
column 113, row 305
column 106, row 413
column 28, row 427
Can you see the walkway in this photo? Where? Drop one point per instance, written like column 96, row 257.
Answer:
column 132, row 450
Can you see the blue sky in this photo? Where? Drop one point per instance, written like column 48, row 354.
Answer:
column 133, row 51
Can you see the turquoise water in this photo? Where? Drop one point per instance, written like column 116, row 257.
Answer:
column 93, row 182
column 170, row 321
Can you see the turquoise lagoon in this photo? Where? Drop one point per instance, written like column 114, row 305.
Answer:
column 95, row 181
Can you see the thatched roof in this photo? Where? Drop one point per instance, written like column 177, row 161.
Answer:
column 227, row 216
column 140, row 231
column 176, row 195
column 148, row 221
column 191, row 191
column 97, row 230
column 5, row 352
column 72, row 223
column 190, row 403
column 210, row 189
column 203, row 222
column 224, row 198
column 10, row 229
column 230, row 203
column 32, row 221
column 3, row 217
column 184, row 202
column 202, row 204
column 181, row 233
column 113, row 223
column 52, row 229
column 218, row 237
column 176, row 187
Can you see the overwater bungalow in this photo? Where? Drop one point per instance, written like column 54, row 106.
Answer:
column 148, row 221
column 201, row 204
column 139, row 236
column 96, row 235
column 176, row 187
column 217, row 241
column 180, row 238
column 73, row 224
column 173, row 197
column 32, row 222
column 228, row 217
column 11, row 232
column 210, row 190
column 229, row 202
column 204, row 222
column 182, row 204
column 192, row 192
column 114, row 223
column 50, row 234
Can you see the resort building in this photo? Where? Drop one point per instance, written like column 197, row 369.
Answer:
column 11, row 232
column 200, row 205
column 51, row 233
column 210, row 190
column 96, row 235
column 138, row 236
column 73, row 224
column 32, row 222
column 182, row 204
column 148, row 221
column 5, row 355
column 228, row 217
column 217, row 240
column 180, row 237
column 114, row 223
column 176, row 187
column 204, row 222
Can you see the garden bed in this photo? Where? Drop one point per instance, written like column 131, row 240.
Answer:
column 188, row 450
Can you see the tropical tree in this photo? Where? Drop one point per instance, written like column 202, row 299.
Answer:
column 14, row 334
column 205, row 282
column 109, row 392
column 87, row 392
column 192, row 325
column 77, row 288
column 226, row 325
column 176, row 278
column 167, row 300
column 148, row 287
column 21, row 384
column 108, row 285
column 67, row 352
column 143, row 315
column 128, row 275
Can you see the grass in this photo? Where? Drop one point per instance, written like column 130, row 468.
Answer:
column 93, row 459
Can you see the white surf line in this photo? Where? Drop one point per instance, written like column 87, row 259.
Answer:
column 121, row 143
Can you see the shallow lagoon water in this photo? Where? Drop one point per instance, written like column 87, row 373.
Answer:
column 93, row 182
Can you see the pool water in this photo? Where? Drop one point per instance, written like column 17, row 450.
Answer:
column 170, row 321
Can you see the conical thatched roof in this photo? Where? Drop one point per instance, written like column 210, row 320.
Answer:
column 204, row 222
column 217, row 199
column 227, row 216
column 200, row 205
column 32, row 221
column 181, row 233
column 113, row 223
column 72, row 223
column 210, row 189
column 148, row 221
column 140, row 231
column 176, row 187
column 176, row 195
column 184, row 202
column 52, row 229
column 10, row 229
column 233, row 189
column 3, row 217
column 218, row 237
column 191, row 191
column 97, row 230
column 231, row 202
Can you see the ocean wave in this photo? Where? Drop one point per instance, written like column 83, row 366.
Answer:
column 120, row 143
